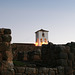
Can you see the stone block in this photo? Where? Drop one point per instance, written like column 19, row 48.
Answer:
column 60, row 70
column 6, row 38
column 69, row 63
column 62, row 55
column 5, row 46
column 45, row 70
column 62, row 62
column 68, row 71
column 20, row 69
column 30, row 70
column 0, row 39
column 71, row 56
column 1, row 31
column 18, row 73
column 7, row 72
column 7, row 31
column 51, row 72
column 9, row 55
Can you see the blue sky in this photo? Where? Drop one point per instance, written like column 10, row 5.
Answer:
column 25, row 17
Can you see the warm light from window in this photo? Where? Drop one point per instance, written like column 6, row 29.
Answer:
column 36, row 44
column 41, row 42
column 44, row 43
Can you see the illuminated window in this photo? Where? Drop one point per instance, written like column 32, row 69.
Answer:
column 45, row 40
column 41, row 40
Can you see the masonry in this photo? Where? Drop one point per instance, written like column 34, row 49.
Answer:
column 20, row 50
column 60, row 55
column 55, row 60
column 50, row 59
column 6, row 56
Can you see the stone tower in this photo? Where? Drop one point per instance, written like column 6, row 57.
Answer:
column 6, row 56
column 41, row 37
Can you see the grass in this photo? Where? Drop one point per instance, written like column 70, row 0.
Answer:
column 18, row 63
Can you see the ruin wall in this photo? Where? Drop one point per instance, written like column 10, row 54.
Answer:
column 6, row 56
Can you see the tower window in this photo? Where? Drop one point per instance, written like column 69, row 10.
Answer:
column 45, row 40
column 41, row 40
column 43, row 35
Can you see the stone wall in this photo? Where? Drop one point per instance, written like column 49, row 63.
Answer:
column 6, row 57
column 20, row 50
column 59, row 55
column 34, row 55
column 36, row 71
column 55, row 59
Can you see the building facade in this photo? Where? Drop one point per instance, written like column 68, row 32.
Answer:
column 41, row 37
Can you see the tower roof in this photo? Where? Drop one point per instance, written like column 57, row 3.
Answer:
column 42, row 30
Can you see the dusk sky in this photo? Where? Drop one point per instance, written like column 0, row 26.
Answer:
column 25, row 17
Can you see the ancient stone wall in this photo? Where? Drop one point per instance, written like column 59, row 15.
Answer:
column 6, row 57
column 20, row 50
column 36, row 71
column 59, row 55
column 55, row 59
